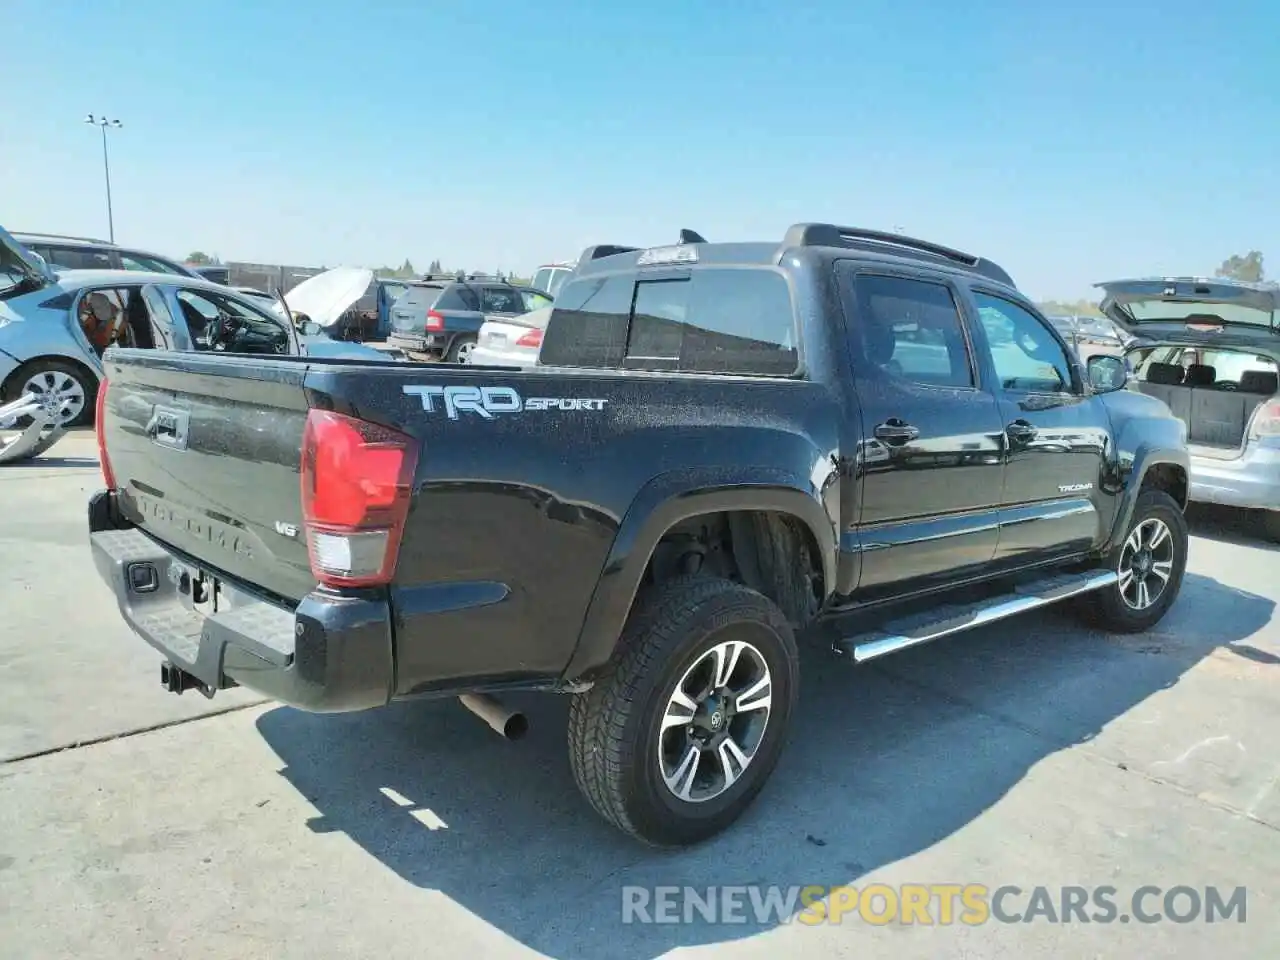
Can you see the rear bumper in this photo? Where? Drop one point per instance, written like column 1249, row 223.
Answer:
column 511, row 357
column 1252, row 481
column 427, row 343
column 330, row 654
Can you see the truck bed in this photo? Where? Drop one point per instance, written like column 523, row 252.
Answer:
column 523, row 482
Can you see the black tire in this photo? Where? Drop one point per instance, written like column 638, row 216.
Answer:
column 614, row 728
column 458, row 346
column 88, row 385
column 1107, row 608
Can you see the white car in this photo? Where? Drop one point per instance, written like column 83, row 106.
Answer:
column 511, row 341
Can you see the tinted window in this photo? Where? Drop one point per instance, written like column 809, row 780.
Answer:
column 715, row 321
column 1030, row 359
column 533, row 300
column 712, row 321
column 393, row 291
column 136, row 261
column 458, row 297
column 588, row 327
column 501, row 300
column 77, row 258
column 911, row 330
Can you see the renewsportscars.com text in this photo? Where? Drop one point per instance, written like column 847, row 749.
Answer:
column 942, row 904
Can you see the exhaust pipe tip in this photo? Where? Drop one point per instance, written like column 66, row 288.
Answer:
column 508, row 723
column 516, row 727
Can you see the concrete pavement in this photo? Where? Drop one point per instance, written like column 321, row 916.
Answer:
column 1033, row 753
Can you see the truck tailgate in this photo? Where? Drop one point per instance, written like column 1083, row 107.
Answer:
column 206, row 457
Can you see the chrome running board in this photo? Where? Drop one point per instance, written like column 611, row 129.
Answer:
column 942, row 621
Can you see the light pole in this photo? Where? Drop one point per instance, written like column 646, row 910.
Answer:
column 103, row 122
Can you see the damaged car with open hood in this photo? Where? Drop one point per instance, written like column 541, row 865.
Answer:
column 55, row 326
column 1210, row 349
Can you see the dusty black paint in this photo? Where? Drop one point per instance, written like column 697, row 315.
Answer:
column 529, row 533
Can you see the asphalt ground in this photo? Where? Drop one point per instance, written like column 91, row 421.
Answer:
column 1032, row 754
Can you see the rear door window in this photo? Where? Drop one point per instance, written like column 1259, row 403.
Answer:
column 910, row 329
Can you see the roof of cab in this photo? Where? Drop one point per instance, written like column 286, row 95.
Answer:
column 828, row 238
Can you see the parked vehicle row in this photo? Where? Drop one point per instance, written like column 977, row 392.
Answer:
column 439, row 318
column 55, row 325
column 723, row 445
column 83, row 253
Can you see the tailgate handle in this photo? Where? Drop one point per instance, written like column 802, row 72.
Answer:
column 168, row 427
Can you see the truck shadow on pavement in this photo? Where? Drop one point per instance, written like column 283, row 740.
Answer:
column 884, row 761
column 1241, row 528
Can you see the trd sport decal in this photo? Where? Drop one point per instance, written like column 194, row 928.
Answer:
column 488, row 401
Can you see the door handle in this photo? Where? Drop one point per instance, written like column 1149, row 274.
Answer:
column 894, row 430
column 1021, row 431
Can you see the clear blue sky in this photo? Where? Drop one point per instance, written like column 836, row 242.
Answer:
column 1071, row 142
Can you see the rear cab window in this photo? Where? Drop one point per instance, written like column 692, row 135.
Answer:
column 705, row 320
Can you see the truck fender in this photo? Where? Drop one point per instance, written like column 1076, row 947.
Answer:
column 1145, row 458
column 665, row 501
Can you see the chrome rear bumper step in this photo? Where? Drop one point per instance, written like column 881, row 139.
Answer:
column 939, row 622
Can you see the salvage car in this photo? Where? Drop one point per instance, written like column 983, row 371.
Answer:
column 46, row 351
column 511, row 341
column 1210, row 350
column 439, row 318
column 724, row 445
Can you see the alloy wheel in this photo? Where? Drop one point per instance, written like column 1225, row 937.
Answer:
column 715, row 721
column 1146, row 564
column 57, row 389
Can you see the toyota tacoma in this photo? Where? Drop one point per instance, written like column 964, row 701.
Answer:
column 724, row 447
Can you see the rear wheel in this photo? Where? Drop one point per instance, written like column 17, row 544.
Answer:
column 1150, row 563
column 460, row 349
column 678, row 736
column 60, row 385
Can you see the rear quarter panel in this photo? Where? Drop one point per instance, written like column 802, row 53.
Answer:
column 515, row 516
column 28, row 331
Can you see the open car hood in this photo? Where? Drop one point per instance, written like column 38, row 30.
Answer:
column 325, row 297
column 1174, row 307
column 15, row 255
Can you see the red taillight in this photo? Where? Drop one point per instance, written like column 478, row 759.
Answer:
column 531, row 339
column 99, row 428
column 357, row 479
column 435, row 321
column 1266, row 420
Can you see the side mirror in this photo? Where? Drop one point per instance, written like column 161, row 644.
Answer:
column 309, row 328
column 1107, row 373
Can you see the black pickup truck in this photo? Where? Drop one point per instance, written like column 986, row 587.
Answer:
column 724, row 446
